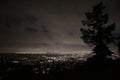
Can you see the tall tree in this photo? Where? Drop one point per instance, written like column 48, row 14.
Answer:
column 96, row 32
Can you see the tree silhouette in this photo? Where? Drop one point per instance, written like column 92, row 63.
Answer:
column 117, row 43
column 96, row 32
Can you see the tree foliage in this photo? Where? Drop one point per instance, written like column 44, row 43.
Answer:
column 96, row 31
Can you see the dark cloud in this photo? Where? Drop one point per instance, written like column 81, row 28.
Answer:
column 32, row 19
column 13, row 21
column 71, row 33
column 31, row 29
column 44, row 29
column 23, row 45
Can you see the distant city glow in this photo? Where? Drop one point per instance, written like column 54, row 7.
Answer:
column 45, row 50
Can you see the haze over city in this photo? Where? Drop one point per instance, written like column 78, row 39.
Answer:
column 48, row 25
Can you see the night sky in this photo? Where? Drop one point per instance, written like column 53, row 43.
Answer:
column 48, row 25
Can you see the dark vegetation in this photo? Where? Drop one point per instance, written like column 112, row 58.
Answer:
column 96, row 33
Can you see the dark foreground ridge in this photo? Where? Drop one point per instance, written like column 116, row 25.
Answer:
column 97, row 68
